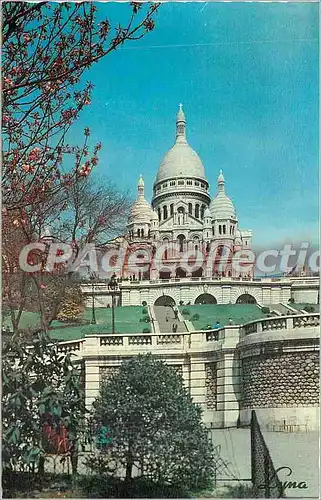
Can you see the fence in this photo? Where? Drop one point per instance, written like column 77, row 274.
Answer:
column 266, row 483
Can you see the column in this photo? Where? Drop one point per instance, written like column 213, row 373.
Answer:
column 228, row 389
column 91, row 382
column 197, row 381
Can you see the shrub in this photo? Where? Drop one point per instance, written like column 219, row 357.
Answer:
column 180, row 453
column 185, row 312
column 146, row 330
column 147, row 319
column 144, row 303
column 181, row 302
column 145, row 310
column 265, row 310
column 196, row 316
column 309, row 308
column 291, row 300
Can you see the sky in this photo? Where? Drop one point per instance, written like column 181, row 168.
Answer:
column 247, row 75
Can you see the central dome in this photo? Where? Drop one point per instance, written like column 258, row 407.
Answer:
column 181, row 160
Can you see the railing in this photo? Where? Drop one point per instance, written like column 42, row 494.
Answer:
column 169, row 339
column 98, row 287
column 70, row 346
column 282, row 323
column 188, row 340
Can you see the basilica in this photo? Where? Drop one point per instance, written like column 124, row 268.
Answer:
column 184, row 221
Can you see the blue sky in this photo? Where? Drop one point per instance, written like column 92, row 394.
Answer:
column 247, row 74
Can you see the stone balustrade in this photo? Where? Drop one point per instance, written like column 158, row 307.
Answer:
column 186, row 340
column 282, row 323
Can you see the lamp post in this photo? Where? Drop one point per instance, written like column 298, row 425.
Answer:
column 92, row 276
column 113, row 286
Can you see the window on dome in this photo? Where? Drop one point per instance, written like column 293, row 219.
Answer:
column 165, row 212
column 202, row 211
column 180, row 183
column 190, row 208
column 197, row 183
column 224, row 229
column 171, row 209
column 197, row 211
column 138, row 233
column 165, row 185
column 172, row 183
column 220, row 229
column 159, row 214
column 142, row 233
column 189, row 183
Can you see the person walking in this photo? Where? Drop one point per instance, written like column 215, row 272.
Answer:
column 174, row 327
column 230, row 321
column 217, row 325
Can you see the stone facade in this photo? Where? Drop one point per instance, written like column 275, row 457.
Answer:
column 211, row 385
column 296, row 383
column 265, row 291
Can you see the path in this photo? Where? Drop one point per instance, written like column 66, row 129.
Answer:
column 163, row 312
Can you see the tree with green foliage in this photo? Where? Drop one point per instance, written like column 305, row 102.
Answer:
column 155, row 427
column 40, row 387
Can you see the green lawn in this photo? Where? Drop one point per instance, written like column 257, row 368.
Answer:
column 210, row 313
column 27, row 319
column 126, row 321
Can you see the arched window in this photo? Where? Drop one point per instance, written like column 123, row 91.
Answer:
column 165, row 211
column 159, row 214
column 171, row 209
column 224, row 229
column 190, row 208
column 202, row 211
column 181, row 240
column 142, row 233
column 138, row 233
column 197, row 211
column 220, row 229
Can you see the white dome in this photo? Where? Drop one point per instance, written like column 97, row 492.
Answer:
column 181, row 161
column 154, row 216
column 222, row 206
column 140, row 211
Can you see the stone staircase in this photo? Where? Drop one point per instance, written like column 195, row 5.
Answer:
column 165, row 318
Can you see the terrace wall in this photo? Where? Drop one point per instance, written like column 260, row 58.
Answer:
column 269, row 365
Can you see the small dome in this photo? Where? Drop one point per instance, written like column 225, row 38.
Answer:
column 154, row 216
column 207, row 212
column 222, row 206
column 140, row 211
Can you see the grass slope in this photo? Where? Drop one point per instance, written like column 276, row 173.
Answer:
column 210, row 313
